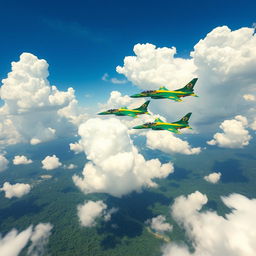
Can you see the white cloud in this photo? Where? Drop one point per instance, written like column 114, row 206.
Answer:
column 234, row 134
column 213, row 177
column 249, row 97
column 70, row 166
column 212, row 234
column 46, row 177
column 159, row 224
column 113, row 80
column 115, row 166
column 108, row 214
column 39, row 239
column 224, row 61
column 168, row 143
column 51, row 162
column 21, row 160
column 35, row 141
column 33, row 111
column 76, row 147
column 3, row 163
column 13, row 242
column 16, row 190
column 90, row 211
column 153, row 67
column 116, row 100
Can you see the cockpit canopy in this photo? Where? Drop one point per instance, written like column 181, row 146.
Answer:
column 112, row 110
column 149, row 91
column 149, row 123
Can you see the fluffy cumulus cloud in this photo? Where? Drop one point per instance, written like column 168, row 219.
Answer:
column 153, row 67
column 115, row 165
column 116, row 100
column 15, row 190
column 51, row 162
column 21, row 160
column 213, row 177
column 33, row 110
column 3, row 163
column 13, row 242
column 212, row 234
column 76, row 147
column 224, row 61
column 90, row 211
column 168, row 143
column 234, row 134
column 159, row 224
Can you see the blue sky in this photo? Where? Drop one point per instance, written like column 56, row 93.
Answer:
column 82, row 40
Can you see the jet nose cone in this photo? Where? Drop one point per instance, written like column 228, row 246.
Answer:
column 138, row 127
column 103, row 113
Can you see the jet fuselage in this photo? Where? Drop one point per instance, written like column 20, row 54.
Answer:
column 163, row 94
column 174, row 127
column 123, row 112
column 161, row 126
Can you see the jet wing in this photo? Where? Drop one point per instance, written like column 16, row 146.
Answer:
column 132, row 115
column 171, row 97
column 174, row 97
column 172, row 129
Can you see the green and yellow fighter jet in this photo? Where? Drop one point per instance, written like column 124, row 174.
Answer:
column 164, row 93
column 158, row 124
column 128, row 112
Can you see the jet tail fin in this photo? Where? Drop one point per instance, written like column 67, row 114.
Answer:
column 189, row 86
column 184, row 119
column 144, row 106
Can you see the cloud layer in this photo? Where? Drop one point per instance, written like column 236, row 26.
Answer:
column 13, row 242
column 115, row 166
column 212, row 234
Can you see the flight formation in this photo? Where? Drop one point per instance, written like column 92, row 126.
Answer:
column 161, row 93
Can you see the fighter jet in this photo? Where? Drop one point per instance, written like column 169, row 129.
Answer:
column 164, row 93
column 158, row 124
column 128, row 112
